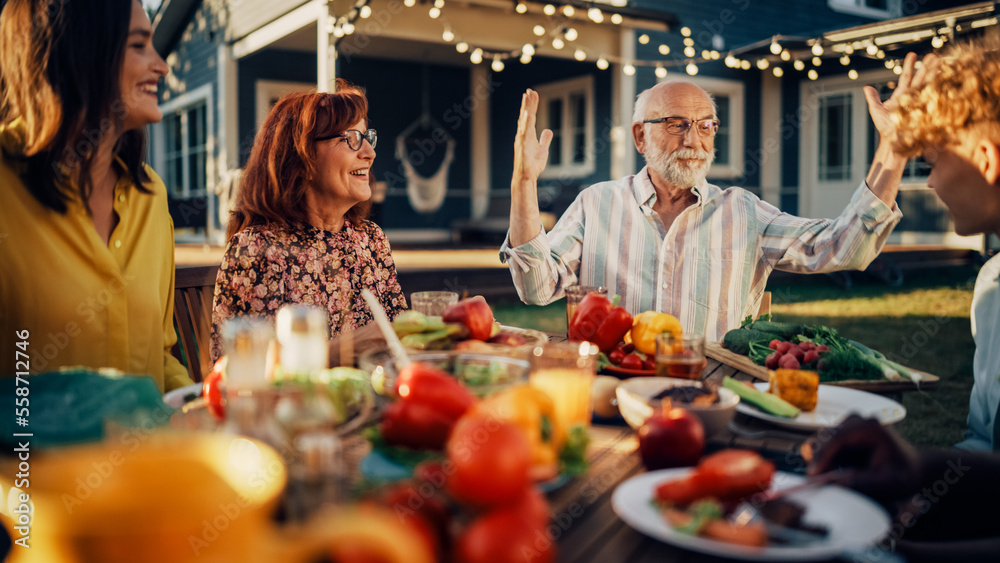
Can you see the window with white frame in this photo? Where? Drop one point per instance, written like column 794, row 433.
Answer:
column 876, row 9
column 567, row 108
column 182, row 143
column 728, row 96
column 835, row 137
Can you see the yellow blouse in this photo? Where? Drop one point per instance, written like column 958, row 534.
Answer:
column 81, row 301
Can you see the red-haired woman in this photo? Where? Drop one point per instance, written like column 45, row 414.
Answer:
column 298, row 231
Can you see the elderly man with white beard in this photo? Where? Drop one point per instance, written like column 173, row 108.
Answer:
column 667, row 240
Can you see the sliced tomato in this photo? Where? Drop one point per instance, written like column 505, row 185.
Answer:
column 684, row 490
column 732, row 474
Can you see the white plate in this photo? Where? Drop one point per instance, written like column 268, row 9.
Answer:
column 853, row 520
column 175, row 398
column 833, row 405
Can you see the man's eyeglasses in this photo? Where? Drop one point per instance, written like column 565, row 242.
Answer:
column 354, row 138
column 680, row 125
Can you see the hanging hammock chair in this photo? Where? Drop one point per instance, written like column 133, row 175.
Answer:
column 426, row 193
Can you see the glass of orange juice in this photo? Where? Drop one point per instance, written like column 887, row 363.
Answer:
column 680, row 356
column 566, row 371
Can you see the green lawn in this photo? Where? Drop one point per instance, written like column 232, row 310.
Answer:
column 924, row 324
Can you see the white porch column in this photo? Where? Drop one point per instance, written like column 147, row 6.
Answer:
column 228, row 141
column 326, row 54
column 479, row 125
column 770, row 139
column 622, row 100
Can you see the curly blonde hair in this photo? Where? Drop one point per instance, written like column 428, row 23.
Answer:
column 963, row 94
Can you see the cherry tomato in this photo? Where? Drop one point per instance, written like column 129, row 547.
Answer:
column 615, row 356
column 628, row 348
column 490, row 461
column 415, row 425
column 736, row 473
column 631, row 361
column 430, row 386
column 211, row 390
column 649, row 363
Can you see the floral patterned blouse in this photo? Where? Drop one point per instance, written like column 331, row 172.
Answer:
column 268, row 266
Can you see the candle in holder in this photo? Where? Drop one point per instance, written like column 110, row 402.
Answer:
column 565, row 371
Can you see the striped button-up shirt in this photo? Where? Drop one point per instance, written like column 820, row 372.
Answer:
column 709, row 268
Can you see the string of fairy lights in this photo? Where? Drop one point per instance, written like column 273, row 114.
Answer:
column 558, row 30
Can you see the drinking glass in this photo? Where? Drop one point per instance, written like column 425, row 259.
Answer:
column 432, row 303
column 566, row 371
column 575, row 294
column 680, row 356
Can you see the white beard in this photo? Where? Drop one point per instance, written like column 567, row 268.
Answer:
column 682, row 175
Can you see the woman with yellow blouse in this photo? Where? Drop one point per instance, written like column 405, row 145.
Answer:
column 86, row 241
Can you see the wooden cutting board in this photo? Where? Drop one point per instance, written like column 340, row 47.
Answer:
column 716, row 351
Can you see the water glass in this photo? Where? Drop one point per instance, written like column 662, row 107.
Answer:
column 432, row 303
column 566, row 371
column 575, row 294
column 680, row 356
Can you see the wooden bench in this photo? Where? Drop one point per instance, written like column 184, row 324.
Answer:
column 194, row 289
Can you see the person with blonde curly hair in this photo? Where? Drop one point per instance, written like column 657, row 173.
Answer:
column 955, row 123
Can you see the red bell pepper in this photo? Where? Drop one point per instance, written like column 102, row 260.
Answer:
column 428, row 385
column 600, row 321
column 430, row 401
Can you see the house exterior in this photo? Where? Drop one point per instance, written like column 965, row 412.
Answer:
column 444, row 80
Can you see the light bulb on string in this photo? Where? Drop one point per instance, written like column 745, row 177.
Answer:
column 528, row 49
column 817, row 61
column 580, row 55
column 852, row 74
column 439, row 4
column 525, row 58
column 688, row 42
column 338, row 32
column 692, row 69
column 643, row 39
column 462, row 47
column 409, row 3
column 763, row 64
column 538, row 30
column 849, row 49
column 799, row 65
column 602, row 63
column 686, row 31
column 571, row 34
column 617, row 19
column 448, row 35
column 706, row 54
column 595, row 15
column 497, row 65
column 664, row 49
column 817, row 49
column 937, row 42
column 366, row 11
column 661, row 72
column 731, row 61
column 871, row 49
column 558, row 43
column 812, row 74
column 434, row 13
column 477, row 56
column 745, row 65
column 786, row 56
column 348, row 28
column 778, row 71
column 880, row 54
column 569, row 11
column 629, row 69
column 549, row 9
column 775, row 47
column 845, row 60
column 715, row 55
column 689, row 52
column 897, row 70
column 521, row 8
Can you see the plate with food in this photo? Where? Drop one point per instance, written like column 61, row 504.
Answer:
column 714, row 407
column 830, row 404
column 834, row 520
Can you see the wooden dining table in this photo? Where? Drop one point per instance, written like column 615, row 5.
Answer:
column 584, row 525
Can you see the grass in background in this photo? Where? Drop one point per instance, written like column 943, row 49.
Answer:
column 923, row 324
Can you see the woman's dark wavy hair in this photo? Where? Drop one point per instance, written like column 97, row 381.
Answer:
column 275, row 179
column 60, row 67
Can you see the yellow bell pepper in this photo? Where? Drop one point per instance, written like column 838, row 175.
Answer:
column 525, row 406
column 645, row 327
